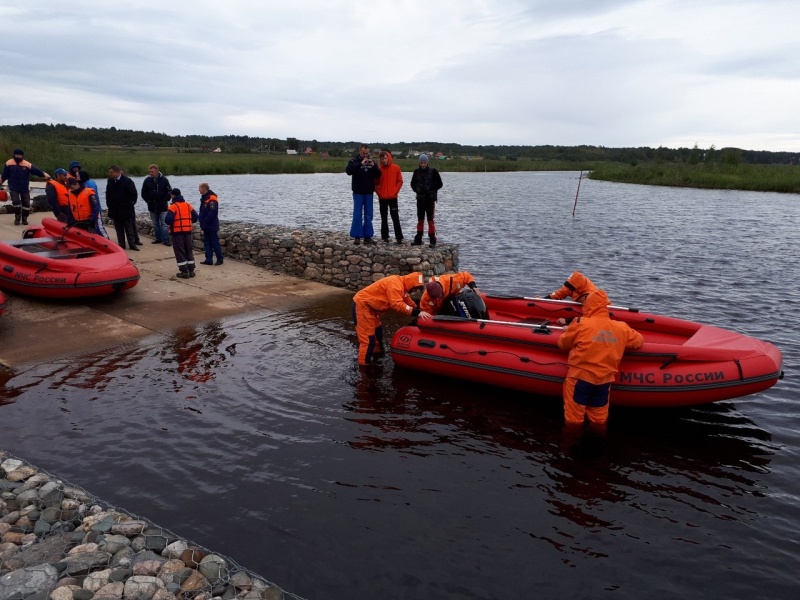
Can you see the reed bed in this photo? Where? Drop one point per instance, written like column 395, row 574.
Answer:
column 757, row 178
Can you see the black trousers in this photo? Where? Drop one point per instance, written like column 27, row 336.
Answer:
column 125, row 226
column 182, row 246
column 426, row 208
column 389, row 205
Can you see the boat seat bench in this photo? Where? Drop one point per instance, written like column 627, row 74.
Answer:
column 67, row 253
column 33, row 241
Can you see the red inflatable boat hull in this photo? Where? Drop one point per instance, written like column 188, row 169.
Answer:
column 682, row 363
column 56, row 261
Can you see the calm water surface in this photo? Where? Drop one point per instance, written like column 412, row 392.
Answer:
column 257, row 436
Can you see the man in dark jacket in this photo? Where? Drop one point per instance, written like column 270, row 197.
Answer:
column 121, row 199
column 17, row 172
column 363, row 172
column 426, row 182
column 155, row 191
column 209, row 223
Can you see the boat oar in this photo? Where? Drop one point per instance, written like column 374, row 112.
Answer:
column 538, row 325
column 572, row 302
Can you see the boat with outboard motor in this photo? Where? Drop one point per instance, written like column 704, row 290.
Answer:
column 54, row 260
column 512, row 343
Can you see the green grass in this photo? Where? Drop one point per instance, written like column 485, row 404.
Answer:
column 135, row 161
column 757, row 178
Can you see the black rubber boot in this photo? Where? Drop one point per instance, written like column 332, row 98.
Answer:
column 16, row 216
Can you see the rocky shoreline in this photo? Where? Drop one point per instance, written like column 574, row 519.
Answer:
column 59, row 542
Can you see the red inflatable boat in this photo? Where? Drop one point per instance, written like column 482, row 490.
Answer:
column 681, row 363
column 53, row 260
column 2, row 303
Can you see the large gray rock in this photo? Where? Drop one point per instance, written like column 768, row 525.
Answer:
column 28, row 581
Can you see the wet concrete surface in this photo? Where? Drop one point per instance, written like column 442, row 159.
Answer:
column 34, row 330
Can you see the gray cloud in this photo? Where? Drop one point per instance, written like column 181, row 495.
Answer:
column 602, row 72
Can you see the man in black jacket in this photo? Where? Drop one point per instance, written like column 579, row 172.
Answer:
column 155, row 191
column 121, row 199
column 426, row 182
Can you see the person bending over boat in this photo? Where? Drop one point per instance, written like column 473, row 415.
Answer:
column 440, row 290
column 180, row 217
column 389, row 293
column 596, row 345
column 577, row 287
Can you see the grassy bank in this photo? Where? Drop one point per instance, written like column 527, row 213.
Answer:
column 757, row 178
column 135, row 161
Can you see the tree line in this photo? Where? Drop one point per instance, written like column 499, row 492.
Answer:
column 69, row 135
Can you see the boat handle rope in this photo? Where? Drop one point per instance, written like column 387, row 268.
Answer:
column 668, row 362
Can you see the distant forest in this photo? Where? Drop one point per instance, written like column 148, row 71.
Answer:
column 69, row 135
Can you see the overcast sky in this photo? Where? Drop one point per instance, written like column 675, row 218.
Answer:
column 613, row 73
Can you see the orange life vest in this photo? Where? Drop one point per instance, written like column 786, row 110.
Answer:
column 80, row 204
column 183, row 217
column 62, row 193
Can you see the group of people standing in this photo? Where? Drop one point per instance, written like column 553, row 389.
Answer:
column 170, row 215
column 74, row 198
column 386, row 179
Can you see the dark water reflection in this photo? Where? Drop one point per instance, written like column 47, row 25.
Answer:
column 257, row 436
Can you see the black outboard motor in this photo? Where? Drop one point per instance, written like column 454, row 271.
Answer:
column 466, row 304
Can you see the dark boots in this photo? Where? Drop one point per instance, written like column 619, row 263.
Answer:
column 24, row 217
column 17, row 211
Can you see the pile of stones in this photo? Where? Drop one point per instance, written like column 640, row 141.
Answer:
column 59, row 543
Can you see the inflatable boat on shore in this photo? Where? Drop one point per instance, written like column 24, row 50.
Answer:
column 2, row 303
column 513, row 344
column 53, row 260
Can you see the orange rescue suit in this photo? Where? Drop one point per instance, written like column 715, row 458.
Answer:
column 596, row 345
column 389, row 293
column 577, row 286
column 451, row 285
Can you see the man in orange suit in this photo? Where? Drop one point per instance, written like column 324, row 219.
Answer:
column 596, row 345
column 389, row 293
